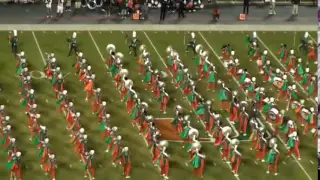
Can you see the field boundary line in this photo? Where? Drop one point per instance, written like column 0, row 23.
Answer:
column 156, row 27
column 44, row 62
column 155, row 49
column 284, row 68
column 271, row 127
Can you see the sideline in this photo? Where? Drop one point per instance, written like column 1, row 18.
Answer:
column 156, row 27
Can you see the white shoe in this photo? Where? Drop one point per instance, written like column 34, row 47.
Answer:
column 236, row 175
column 127, row 177
column 262, row 160
column 113, row 164
column 275, row 174
column 299, row 159
column 85, row 176
column 268, row 172
column 107, row 151
column 166, row 177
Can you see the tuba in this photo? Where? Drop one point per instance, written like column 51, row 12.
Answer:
column 272, row 142
column 163, row 144
column 120, row 56
column 124, row 72
column 273, row 113
column 111, row 48
column 169, row 49
column 149, row 118
column 128, row 84
column 93, row 4
column 193, row 133
column 226, row 130
column 195, row 146
column 234, row 142
column 199, row 48
column 142, row 47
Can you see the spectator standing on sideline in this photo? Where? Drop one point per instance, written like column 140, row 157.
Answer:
column 163, row 9
column 48, row 5
column 246, row 4
column 123, row 8
column 295, row 7
column 181, row 8
column 107, row 7
column 68, row 6
column 272, row 10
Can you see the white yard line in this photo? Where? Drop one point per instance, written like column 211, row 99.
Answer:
column 155, row 49
column 271, row 127
column 284, row 68
column 314, row 40
column 101, row 55
column 44, row 62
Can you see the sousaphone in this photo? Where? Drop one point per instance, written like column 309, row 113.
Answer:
column 163, row 144
column 124, row 73
column 111, row 48
column 199, row 48
column 226, row 131
column 142, row 47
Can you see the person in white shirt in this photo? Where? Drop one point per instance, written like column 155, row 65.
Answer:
column 272, row 7
column 60, row 8
column 48, row 5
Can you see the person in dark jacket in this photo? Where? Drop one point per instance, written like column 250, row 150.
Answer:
column 295, row 7
column 163, row 9
column 246, row 4
column 181, row 7
column 107, row 7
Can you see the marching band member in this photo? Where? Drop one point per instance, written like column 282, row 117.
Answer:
column 291, row 60
column 178, row 118
column 62, row 101
column 88, row 164
column 283, row 52
column 192, row 43
column 212, row 79
column 235, row 156
column 14, row 42
column 311, row 121
column 50, row 166
column 104, row 126
column 164, row 99
column 126, row 162
column 14, row 165
column 223, row 96
column 198, row 162
column 12, row 148
column 50, row 68
column 134, row 44
column 243, row 118
column 73, row 44
column 6, row 135
column 44, row 151
column 96, row 100
column 116, row 149
column 293, row 144
column 273, row 157
column 261, row 146
column 28, row 99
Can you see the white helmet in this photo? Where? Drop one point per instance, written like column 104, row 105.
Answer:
column 34, row 105
column 114, row 128
column 78, row 114
column 81, row 130
column 85, row 136
column 1, row 107
column 8, row 127
column 254, row 34
column 89, row 68
column 294, row 86
column 80, row 54
column 272, row 100
column 108, row 116
column 98, row 89
column 291, row 51
column 31, row 91
column 18, row 154
column 104, row 103
column 284, row 77
column 91, row 152
column 7, row 118
column 307, row 70
column 13, row 140
column 53, row 60
column 22, row 53
column 70, row 104
column 193, row 35
column 254, row 79
column 232, row 53
column 265, row 52
column 84, row 61
column 277, row 70
column 312, row 109
column 38, row 116
column 46, row 140
column 64, row 92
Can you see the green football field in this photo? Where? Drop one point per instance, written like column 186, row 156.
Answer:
column 93, row 45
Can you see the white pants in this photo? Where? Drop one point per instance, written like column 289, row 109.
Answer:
column 60, row 9
column 48, row 6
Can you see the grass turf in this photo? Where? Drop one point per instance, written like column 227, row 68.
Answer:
column 142, row 166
